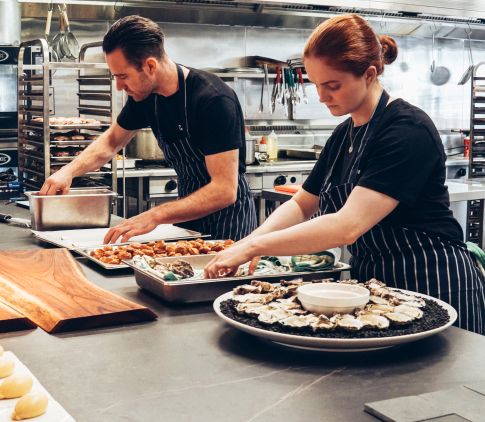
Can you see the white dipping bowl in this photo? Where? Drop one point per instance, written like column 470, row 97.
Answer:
column 332, row 298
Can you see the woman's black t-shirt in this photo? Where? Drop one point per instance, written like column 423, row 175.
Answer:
column 214, row 114
column 405, row 160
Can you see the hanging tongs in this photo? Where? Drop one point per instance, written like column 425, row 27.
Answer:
column 468, row 72
column 302, row 84
column 276, row 89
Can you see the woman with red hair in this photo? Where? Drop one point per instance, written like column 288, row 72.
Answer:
column 379, row 183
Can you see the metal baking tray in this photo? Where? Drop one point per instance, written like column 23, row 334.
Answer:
column 304, row 153
column 204, row 290
column 85, row 240
column 86, row 252
column 78, row 126
column 64, row 158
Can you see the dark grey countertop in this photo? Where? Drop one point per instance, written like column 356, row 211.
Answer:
column 190, row 366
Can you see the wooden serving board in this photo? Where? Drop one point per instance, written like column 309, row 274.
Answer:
column 11, row 320
column 48, row 287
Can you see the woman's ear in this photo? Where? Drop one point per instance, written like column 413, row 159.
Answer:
column 370, row 74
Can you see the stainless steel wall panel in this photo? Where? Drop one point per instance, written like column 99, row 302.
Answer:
column 204, row 46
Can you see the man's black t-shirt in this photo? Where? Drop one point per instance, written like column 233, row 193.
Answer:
column 215, row 118
column 405, row 160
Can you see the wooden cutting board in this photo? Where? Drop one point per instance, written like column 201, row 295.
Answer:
column 48, row 287
column 11, row 320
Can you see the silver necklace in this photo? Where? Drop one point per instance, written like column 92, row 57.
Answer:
column 352, row 138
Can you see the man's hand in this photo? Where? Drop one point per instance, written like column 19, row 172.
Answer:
column 59, row 182
column 140, row 224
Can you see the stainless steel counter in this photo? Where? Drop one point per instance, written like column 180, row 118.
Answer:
column 275, row 167
column 465, row 190
column 460, row 190
column 189, row 366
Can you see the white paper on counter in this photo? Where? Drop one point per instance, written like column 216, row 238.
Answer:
column 54, row 413
column 84, row 238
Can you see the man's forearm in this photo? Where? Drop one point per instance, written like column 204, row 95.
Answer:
column 94, row 156
column 204, row 201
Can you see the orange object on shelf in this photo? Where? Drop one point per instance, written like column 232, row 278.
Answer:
column 287, row 188
column 466, row 147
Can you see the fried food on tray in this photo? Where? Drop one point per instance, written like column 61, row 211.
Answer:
column 159, row 249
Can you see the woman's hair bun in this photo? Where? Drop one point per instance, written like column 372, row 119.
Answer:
column 389, row 48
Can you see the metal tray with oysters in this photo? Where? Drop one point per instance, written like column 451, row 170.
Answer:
column 194, row 288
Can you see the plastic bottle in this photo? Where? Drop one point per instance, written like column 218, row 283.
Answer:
column 263, row 147
column 272, row 146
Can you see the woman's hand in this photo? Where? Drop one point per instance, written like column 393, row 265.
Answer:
column 227, row 262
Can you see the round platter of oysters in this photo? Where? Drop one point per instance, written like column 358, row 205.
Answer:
column 389, row 318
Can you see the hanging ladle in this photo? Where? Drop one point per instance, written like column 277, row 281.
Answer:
column 468, row 72
column 439, row 74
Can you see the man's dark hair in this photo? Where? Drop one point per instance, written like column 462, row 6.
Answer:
column 138, row 38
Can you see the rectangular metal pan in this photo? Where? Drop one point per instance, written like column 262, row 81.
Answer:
column 303, row 153
column 86, row 252
column 78, row 209
column 203, row 290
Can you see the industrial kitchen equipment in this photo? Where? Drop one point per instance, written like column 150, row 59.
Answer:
column 46, row 142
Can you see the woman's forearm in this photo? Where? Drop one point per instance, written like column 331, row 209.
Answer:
column 286, row 215
column 311, row 236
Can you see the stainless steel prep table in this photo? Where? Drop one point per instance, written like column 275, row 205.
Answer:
column 141, row 176
column 189, row 366
column 460, row 190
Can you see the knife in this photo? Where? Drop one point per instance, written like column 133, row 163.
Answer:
column 16, row 221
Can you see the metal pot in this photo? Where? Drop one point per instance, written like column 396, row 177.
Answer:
column 250, row 151
column 145, row 146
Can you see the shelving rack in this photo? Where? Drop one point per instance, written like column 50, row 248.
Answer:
column 475, row 208
column 45, row 147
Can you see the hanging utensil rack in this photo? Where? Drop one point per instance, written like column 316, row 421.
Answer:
column 44, row 146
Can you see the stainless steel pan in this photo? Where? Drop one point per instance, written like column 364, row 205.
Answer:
column 69, row 43
column 145, row 146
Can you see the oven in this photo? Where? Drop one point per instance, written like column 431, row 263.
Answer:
column 8, row 94
column 9, row 184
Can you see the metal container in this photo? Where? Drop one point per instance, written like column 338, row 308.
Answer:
column 250, row 151
column 144, row 146
column 79, row 209
column 204, row 290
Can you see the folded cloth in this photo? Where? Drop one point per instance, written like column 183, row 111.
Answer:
column 479, row 255
column 313, row 262
column 266, row 265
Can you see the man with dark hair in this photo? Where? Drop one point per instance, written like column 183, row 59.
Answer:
column 199, row 124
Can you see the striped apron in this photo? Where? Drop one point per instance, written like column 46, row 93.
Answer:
column 234, row 222
column 410, row 259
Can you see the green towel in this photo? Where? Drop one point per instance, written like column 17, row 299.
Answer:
column 313, row 262
column 478, row 253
